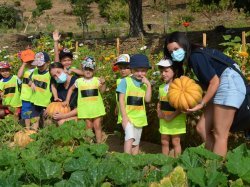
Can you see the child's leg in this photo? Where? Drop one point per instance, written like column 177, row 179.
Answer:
column 98, row 129
column 89, row 123
column 2, row 113
column 129, row 138
column 176, row 141
column 36, row 124
column 165, row 144
column 27, row 123
column 137, row 135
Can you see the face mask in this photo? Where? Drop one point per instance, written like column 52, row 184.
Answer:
column 178, row 55
column 62, row 78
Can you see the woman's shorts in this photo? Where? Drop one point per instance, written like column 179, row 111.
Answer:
column 232, row 89
column 26, row 110
column 132, row 132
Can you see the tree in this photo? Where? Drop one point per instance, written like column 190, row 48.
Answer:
column 135, row 18
column 81, row 8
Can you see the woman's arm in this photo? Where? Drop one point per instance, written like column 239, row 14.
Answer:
column 212, row 88
column 70, row 91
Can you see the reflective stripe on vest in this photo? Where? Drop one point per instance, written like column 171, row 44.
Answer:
column 41, row 84
column 9, row 90
column 133, row 100
column 89, row 93
column 25, row 81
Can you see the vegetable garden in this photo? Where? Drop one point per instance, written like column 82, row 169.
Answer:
column 67, row 156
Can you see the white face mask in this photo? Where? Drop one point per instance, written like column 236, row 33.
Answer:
column 62, row 78
column 178, row 55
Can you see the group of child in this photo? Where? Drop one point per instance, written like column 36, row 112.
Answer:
column 33, row 87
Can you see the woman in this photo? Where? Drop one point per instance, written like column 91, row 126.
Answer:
column 225, row 89
column 63, row 83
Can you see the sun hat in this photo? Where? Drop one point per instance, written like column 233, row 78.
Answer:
column 5, row 65
column 88, row 62
column 139, row 61
column 40, row 59
column 65, row 53
column 27, row 56
column 165, row 63
column 123, row 59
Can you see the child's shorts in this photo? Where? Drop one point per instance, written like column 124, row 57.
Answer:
column 232, row 89
column 36, row 110
column 132, row 132
column 26, row 110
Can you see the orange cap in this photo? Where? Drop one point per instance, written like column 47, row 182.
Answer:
column 27, row 56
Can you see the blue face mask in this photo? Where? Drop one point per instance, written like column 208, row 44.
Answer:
column 178, row 55
column 62, row 78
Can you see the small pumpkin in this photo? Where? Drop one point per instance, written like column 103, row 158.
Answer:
column 22, row 138
column 57, row 107
column 184, row 93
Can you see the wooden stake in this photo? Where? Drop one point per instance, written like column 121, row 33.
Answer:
column 76, row 46
column 243, row 40
column 204, row 39
column 117, row 46
column 243, row 49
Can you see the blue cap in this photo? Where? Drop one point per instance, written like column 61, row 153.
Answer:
column 139, row 61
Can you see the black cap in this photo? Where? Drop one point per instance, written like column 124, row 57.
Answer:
column 65, row 53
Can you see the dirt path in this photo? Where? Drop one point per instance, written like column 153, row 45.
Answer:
column 116, row 144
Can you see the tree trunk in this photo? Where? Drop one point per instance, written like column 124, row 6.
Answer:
column 135, row 18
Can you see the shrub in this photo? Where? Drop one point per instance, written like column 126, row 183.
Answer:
column 117, row 12
column 9, row 16
column 41, row 6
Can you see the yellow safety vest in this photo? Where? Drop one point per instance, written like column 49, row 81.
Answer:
column 11, row 94
column 175, row 126
column 135, row 103
column 89, row 102
column 42, row 94
column 26, row 91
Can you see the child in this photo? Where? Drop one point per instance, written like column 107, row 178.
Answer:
column 9, row 86
column 172, row 122
column 89, row 104
column 40, row 84
column 124, row 69
column 65, row 57
column 24, row 72
column 134, row 91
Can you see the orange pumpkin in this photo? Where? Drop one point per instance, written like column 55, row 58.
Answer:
column 56, row 107
column 22, row 138
column 184, row 93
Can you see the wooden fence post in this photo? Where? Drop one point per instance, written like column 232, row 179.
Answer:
column 76, row 46
column 204, row 39
column 117, row 46
column 243, row 49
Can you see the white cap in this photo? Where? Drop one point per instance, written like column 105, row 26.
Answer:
column 165, row 63
column 123, row 59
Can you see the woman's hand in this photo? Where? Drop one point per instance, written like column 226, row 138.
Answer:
column 196, row 108
column 58, row 116
column 57, row 99
column 65, row 103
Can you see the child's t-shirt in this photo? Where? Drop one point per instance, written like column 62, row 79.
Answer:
column 122, row 87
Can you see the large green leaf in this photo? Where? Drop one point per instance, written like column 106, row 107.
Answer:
column 197, row 176
column 44, row 169
column 239, row 162
column 82, row 163
column 10, row 177
column 79, row 179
